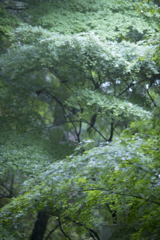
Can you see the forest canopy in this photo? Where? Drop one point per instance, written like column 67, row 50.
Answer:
column 80, row 119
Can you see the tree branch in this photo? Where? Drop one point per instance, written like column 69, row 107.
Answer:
column 123, row 194
column 112, row 129
column 49, row 234
column 63, row 230
column 80, row 125
column 12, row 7
column 85, row 121
column 151, row 98
column 6, row 188
column 130, row 85
column 91, row 231
column 62, row 106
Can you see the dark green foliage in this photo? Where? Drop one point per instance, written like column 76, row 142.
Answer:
column 7, row 23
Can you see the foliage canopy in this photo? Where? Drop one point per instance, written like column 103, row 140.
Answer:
column 79, row 117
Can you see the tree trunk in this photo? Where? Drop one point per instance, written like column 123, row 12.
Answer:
column 39, row 226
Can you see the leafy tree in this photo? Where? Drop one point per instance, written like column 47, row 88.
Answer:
column 72, row 71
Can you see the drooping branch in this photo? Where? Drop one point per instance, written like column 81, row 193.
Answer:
column 63, row 108
column 85, row 121
column 49, row 234
column 60, row 226
column 92, row 122
column 128, row 87
column 93, row 233
column 5, row 196
column 147, row 91
column 122, row 194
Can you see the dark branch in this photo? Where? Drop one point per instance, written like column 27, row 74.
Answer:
column 130, row 85
column 123, row 194
column 80, row 125
column 13, row 7
column 5, row 196
column 49, row 234
column 85, row 121
column 62, row 106
column 112, row 129
column 63, row 230
column 151, row 98
column 6, row 188
column 18, row 8
column 91, row 231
